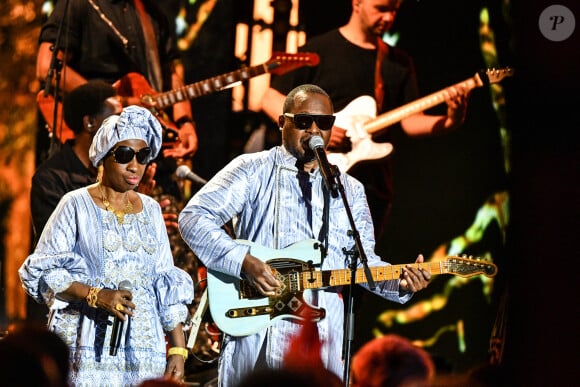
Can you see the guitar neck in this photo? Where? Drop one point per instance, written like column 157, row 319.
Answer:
column 380, row 273
column 422, row 104
column 207, row 86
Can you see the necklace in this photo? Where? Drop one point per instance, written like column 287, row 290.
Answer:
column 119, row 214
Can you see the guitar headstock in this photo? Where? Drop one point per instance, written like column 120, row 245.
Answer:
column 283, row 62
column 496, row 75
column 464, row 266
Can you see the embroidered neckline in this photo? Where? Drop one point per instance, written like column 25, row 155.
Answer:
column 119, row 214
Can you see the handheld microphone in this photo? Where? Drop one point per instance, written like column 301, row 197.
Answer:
column 316, row 143
column 184, row 172
column 118, row 323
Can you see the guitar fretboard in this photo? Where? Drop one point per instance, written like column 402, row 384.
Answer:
column 422, row 104
column 380, row 273
column 458, row 266
column 207, row 86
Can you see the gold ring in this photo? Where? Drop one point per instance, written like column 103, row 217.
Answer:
column 119, row 307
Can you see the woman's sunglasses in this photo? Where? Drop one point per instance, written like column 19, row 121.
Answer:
column 304, row 121
column 124, row 154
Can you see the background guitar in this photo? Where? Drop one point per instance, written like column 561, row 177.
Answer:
column 359, row 121
column 238, row 309
column 135, row 85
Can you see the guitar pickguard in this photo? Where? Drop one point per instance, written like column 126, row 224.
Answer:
column 239, row 310
column 289, row 299
column 352, row 118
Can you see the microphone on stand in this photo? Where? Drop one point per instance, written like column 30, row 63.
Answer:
column 316, row 143
column 118, row 323
column 184, row 172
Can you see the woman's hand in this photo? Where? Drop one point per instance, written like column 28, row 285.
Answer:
column 175, row 368
column 116, row 302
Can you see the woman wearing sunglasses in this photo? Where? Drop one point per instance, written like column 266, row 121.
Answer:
column 103, row 265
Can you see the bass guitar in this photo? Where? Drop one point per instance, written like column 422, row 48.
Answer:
column 359, row 119
column 238, row 309
column 135, row 85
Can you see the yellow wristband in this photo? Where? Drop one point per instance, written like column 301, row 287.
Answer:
column 92, row 297
column 178, row 351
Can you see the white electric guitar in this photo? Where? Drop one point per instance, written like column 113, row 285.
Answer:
column 239, row 309
column 359, row 119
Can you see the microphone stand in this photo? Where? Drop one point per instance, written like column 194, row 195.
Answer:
column 355, row 253
column 54, row 70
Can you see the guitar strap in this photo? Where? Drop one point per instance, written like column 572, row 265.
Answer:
column 151, row 50
column 306, row 188
column 382, row 50
column 323, row 234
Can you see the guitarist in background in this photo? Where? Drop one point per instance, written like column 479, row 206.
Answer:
column 277, row 198
column 107, row 40
column 349, row 57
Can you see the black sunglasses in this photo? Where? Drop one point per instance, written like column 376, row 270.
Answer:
column 304, row 121
column 124, row 154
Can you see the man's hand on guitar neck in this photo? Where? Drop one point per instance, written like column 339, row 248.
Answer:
column 456, row 106
column 414, row 279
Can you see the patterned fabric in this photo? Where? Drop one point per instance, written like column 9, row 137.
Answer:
column 262, row 193
column 85, row 243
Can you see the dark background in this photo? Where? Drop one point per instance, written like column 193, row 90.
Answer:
column 441, row 182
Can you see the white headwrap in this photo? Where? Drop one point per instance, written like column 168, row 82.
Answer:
column 135, row 122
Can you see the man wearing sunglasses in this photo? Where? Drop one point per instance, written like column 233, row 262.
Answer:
column 349, row 58
column 277, row 198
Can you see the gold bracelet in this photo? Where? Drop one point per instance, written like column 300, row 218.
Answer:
column 178, row 351
column 92, row 296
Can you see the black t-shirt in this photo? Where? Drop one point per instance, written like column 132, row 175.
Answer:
column 107, row 43
column 346, row 72
column 58, row 175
